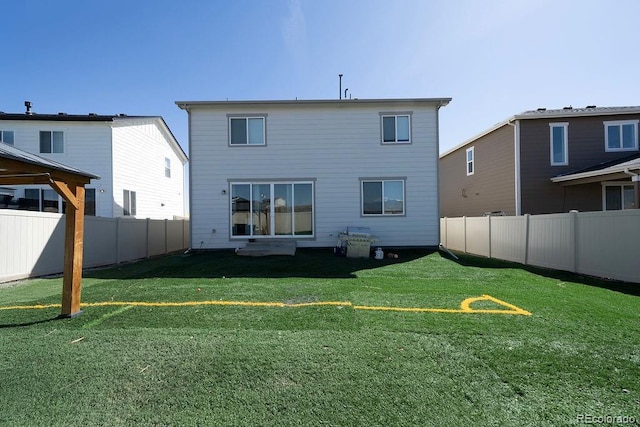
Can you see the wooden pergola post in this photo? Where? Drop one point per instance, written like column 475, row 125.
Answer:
column 73, row 194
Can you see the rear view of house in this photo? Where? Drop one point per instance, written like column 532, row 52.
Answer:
column 306, row 170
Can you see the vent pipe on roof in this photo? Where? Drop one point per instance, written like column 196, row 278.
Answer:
column 340, row 89
column 27, row 104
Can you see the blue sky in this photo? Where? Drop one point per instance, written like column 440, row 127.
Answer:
column 494, row 58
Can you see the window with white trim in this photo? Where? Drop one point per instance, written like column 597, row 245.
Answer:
column 559, row 143
column 6, row 136
column 621, row 135
column 382, row 197
column 272, row 209
column 618, row 196
column 470, row 161
column 247, row 131
column 396, row 129
column 51, row 141
column 167, row 167
column 129, row 203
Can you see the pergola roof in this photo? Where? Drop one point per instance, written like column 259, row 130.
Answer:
column 16, row 164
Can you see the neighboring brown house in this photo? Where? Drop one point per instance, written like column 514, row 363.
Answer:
column 546, row 161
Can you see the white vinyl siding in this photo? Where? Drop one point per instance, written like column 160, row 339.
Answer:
column 128, row 153
column 334, row 148
column 559, row 144
column 621, row 135
column 140, row 154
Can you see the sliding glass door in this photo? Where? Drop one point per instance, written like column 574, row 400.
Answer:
column 272, row 209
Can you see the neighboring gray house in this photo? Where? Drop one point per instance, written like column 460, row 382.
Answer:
column 546, row 161
column 306, row 170
column 140, row 163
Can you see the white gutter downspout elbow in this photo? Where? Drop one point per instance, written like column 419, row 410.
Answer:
column 635, row 177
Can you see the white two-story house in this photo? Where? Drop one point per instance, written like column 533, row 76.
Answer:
column 139, row 162
column 308, row 169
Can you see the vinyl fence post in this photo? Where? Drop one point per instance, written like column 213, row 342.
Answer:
column 118, row 240
column 146, row 255
column 464, row 231
column 166, row 236
column 527, row 217
column 489, row 233
column 573, row 236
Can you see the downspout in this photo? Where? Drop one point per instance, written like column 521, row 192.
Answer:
column 516, row 160
column 635, row 179
column 438, row 172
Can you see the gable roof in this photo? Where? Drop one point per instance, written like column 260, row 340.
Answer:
column 543, row 113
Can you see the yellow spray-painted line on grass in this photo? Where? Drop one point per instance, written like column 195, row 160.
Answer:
column 465, row 306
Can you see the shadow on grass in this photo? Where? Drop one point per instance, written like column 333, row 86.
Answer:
column 565, row 276
column 307, row 263
column 35, row 322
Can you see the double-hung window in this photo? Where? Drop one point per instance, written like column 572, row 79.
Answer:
column 167, row 167
column 559, row 146
column 247, row 131
column 129, row 203
column 470, row 161
column 396, row 128
column 6, row 136
column 382, row 197
column 621, row 135
column 51, row 141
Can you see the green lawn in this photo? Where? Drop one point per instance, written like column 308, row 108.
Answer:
column 578, row 352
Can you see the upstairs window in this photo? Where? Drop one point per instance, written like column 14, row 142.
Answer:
column 396, row 129
column 470, row 161
column 6, row 136
column 621, row 135
column 129, row 203
column 51, row 141
column 167, row 167
column 559, row 147
column 246, row 131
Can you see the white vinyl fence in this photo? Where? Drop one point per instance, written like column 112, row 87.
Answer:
column 602, row 244
column 32, row 243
